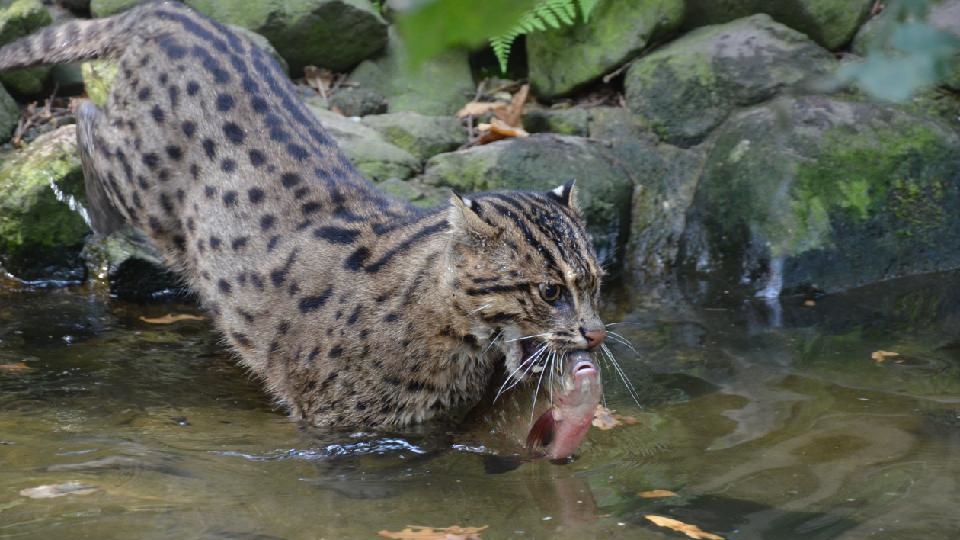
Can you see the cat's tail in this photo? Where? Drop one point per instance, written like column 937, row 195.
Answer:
column 73, row 41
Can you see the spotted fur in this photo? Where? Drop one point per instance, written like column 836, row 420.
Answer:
column 355, row 308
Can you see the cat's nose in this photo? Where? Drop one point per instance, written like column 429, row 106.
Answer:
column 594, row 337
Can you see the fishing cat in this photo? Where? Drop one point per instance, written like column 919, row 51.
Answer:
column 354, row 308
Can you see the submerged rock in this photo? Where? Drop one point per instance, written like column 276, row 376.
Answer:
column 42, row 223
column 689, row 86
column 819, row 193
column 563, row 59
column 131, row 266
column 544, row 162
column 831, row 23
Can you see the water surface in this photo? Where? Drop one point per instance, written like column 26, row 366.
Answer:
column 768, row 419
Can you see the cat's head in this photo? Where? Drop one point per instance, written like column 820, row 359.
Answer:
column 525, row 273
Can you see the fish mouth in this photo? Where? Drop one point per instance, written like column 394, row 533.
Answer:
column 584, row 368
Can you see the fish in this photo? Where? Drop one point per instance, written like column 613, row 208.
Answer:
column 560, row 430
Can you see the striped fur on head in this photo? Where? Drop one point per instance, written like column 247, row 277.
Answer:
column 525, row 267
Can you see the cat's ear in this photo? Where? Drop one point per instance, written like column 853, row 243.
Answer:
column 566, row 195
column 466, row 218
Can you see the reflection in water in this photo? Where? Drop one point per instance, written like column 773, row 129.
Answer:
column 767, row 423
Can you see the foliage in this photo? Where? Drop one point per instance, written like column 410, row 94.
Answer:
column 907, row 54
column 429, row 27
column 546, row 14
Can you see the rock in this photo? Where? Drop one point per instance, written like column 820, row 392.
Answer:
column 377, row 159
column 945, row 16
column 819, row 193
column 103, row 8
column 9, row 115
column 98, row 77
column 831, row 23
column 335, row 34
column 355, row 101
column 416, row 192
column 440, row 86
column 569, row 121
column 422, row 136
column 42, row 227
column 131, row 266
column 544, row 162
column 689, row 86
column 18, row 19
column 561, row 60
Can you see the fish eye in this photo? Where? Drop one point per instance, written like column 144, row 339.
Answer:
column 550, row 292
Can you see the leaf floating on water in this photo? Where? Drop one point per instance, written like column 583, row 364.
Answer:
column 690, row 530
column 15, row 368
column 59, row 490
column 657, row 493
column 418, row 532
column 604, row 419
column 880, row 356
column 171, row 318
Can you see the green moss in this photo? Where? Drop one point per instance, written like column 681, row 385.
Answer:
column 98, row 77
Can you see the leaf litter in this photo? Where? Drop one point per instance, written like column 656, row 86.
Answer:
column 419, row 532
column 691, row 531
column 171, row 318
column 605, row 419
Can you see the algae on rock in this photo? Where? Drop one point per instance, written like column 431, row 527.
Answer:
column 17, row 19
column 842, row 193
column 42, row 224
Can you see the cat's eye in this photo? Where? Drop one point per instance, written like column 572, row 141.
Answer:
column 550, row 292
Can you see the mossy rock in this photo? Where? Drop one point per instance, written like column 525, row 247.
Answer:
column 42, row 228
column 9, row 115
column 439, row 86
column 542, row 162
column 561, row 60
column 568, row 121
column 416, row 192
column 373, row 156
column 831, row 23
column 422, row 136
column 103, row 8
column 685, row 89
column 842, row 193
column 335, row 34
column 17, row 19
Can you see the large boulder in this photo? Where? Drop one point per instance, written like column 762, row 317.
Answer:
column 542, row 162
column 831, row 23
column 689, row 86
column 17, row 19
column 819, row 193
column 42, row 227
column 422, row 136
column 560, row 60
column 335, row 34
column 9, row 115
column 373, row 156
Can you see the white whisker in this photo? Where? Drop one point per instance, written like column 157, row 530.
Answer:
column 536, row 392
column 623, row 341
column 481, row 308
column 512, row 380
column 623, row 376
column 528, row 337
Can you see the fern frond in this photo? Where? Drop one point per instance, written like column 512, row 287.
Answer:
column 544, row 15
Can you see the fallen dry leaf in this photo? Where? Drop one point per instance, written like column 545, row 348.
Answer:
column 657, row 493
column 604, row 419
column 58, row 490
column 171, row 318
column 476, row 108
column 418, row 532
column 512, row 115
column 880, row 356
column 690, row 530
column 15, row 368
column 497, row 130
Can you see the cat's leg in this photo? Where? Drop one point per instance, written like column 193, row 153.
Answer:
column 101, row 206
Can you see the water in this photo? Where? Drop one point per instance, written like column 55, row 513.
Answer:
column 768, row 421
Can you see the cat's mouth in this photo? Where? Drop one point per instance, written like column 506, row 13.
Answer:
column 525, row 356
